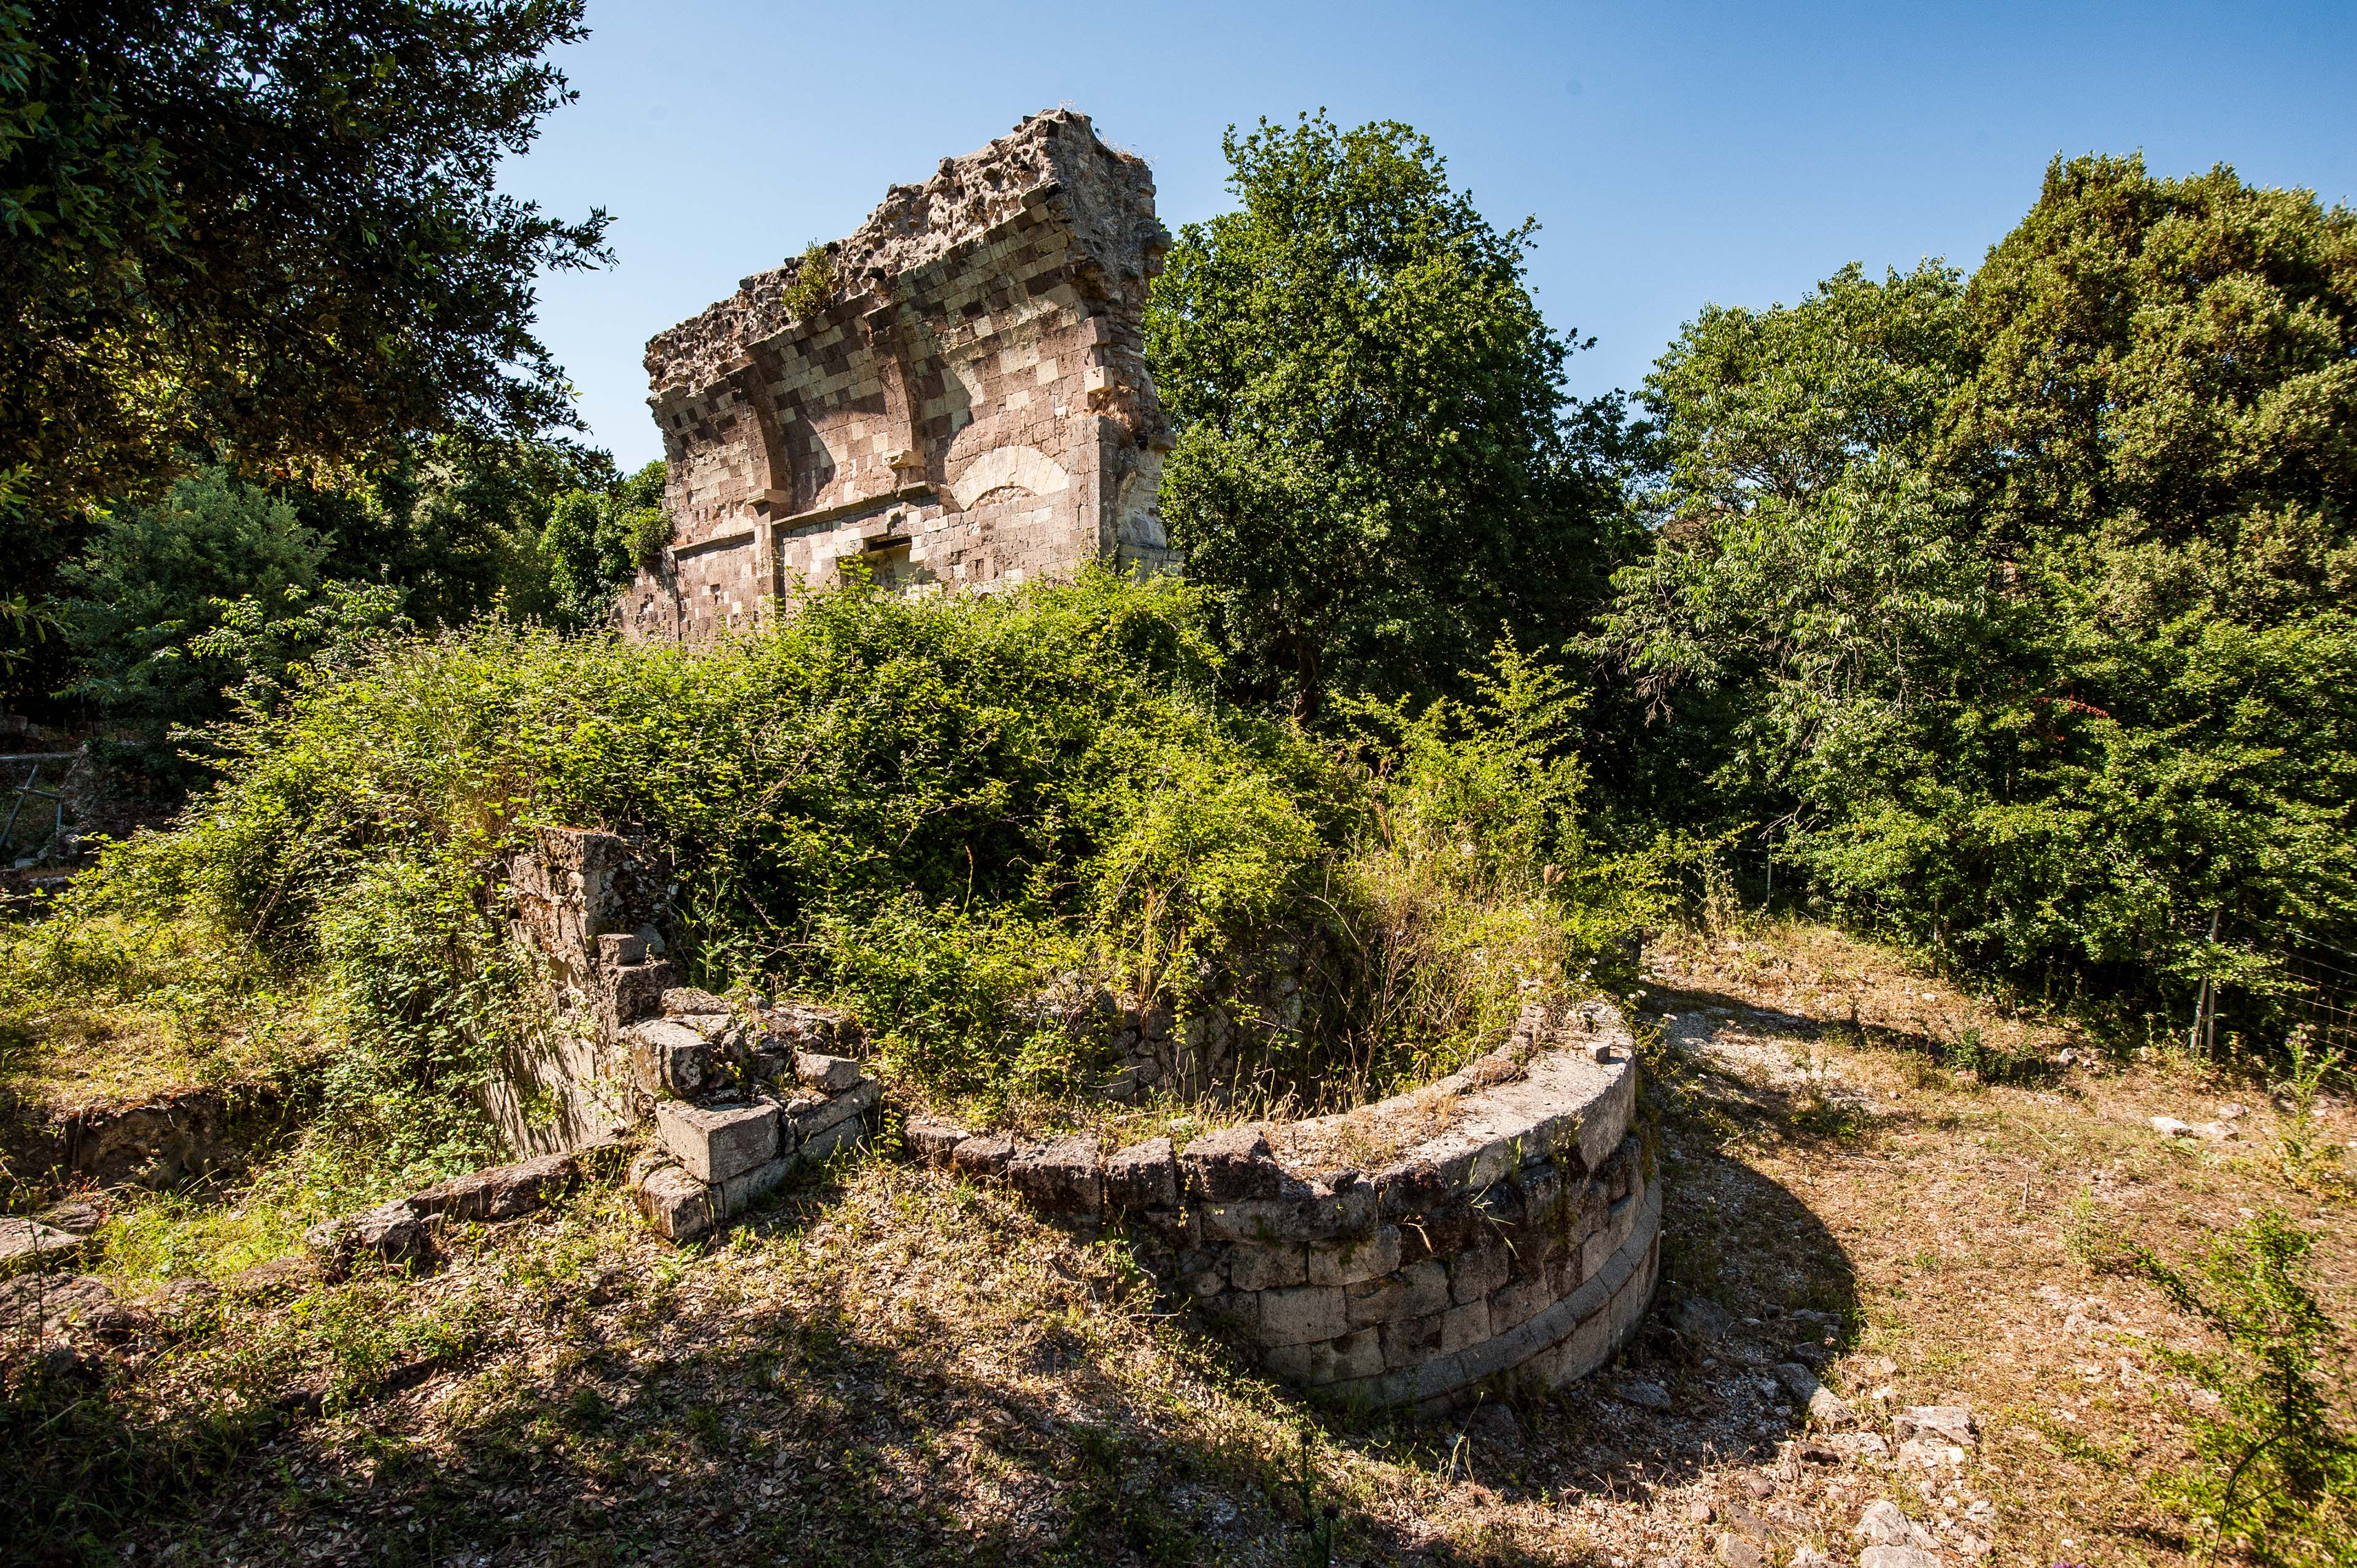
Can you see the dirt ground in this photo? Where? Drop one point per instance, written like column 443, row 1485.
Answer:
column 890, row 1367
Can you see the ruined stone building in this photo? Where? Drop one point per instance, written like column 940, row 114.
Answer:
column 957, row 398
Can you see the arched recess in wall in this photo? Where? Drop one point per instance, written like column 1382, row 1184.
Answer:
column 1022, row 468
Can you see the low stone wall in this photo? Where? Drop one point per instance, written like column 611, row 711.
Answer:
column 1504, row 1222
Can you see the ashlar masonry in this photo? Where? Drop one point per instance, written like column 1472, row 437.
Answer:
column 966, row 407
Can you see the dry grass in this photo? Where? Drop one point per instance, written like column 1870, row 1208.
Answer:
column 890, row 1367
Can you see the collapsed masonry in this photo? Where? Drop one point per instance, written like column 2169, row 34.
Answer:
column 956, row 397
column 739, row 1098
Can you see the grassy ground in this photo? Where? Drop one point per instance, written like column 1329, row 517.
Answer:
column 890, row 1367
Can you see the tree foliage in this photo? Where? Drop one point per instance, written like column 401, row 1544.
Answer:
column 2018, row 610
column 268, row 232
column 1373, row 466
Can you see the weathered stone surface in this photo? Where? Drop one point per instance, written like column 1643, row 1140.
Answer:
column 735, row 1194
column 31, row 1246
column 983, row 1157
column 826, row 1074
column 677, row 1204
column 1419, row 1289
column 397, row 1232
column 1352, row 1262
column 1268, row 1268
column 1231, row 1164
column 1944, row 1422
column 1143, row 1175
column 1897, row 1557
column 964, row 405
column 1473, row 1274
column 669, row 1057
column 715, row 1143
column 71, row 1307
column 1303, row 1312
column 1314, row 1365
column 502, row 1192
column 933, row 1141
column 1062, row 1177
column 808, row 1120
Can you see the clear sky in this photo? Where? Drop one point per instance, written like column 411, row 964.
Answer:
column 1673, row 153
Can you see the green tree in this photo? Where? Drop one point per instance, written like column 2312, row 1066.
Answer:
column 1373, row 467
column 265, row 230
column 156, row 578
column 2019, row 614
column 596, row 540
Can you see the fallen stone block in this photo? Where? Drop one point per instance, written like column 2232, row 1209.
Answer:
column 33, row 1247
column 714, row 1143
column 828, row 1074
column 675, row 1203
column 681, row 1001
column 502, row 1192
column 397, row 1232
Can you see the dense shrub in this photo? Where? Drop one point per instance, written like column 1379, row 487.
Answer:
column 930, row 810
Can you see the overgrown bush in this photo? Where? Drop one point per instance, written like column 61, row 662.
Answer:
column 932, row 810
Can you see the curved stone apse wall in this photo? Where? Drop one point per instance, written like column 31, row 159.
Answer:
column 1503, row 1220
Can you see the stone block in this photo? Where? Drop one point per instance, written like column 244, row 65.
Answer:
column 738, row 1194
column 827, row 1075
column 820, row 1147
column 1273, row 1267
column 31, row 1246
column 1518, row 1301
column 1410, row 1341
column 980, row 1157
column 615, row 950
column 808, row 1119
column 1474, row 1274
column 675, row 1203
column 1256, row 1219
column 714, row 1143
column 1305, row 1313
column 1419, row 1289
column 1236, row 1312
column 668, row 1058
column 1061, row 1177
column 1594, row 1251
column 1586, row 1347
column 1144, row 1175
column 1231, row 1165
column 682, row 1001
column 1351, row 1262
column 397, row 1232
column 933, row 1142
column 1359, row 1355
column 1462, row 1327
column 636, row 990
column 502, row 1192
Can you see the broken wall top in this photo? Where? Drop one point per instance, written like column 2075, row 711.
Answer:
column 1107, row 198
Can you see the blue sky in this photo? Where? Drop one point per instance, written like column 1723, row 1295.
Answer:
column 1673, row 153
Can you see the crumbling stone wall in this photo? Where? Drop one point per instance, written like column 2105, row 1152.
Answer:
column 737, row 1098
column 1502, row 1222
column 967, row 407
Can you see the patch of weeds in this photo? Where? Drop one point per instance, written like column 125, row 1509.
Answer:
column 2275, row 1471
column 2304, row 1152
